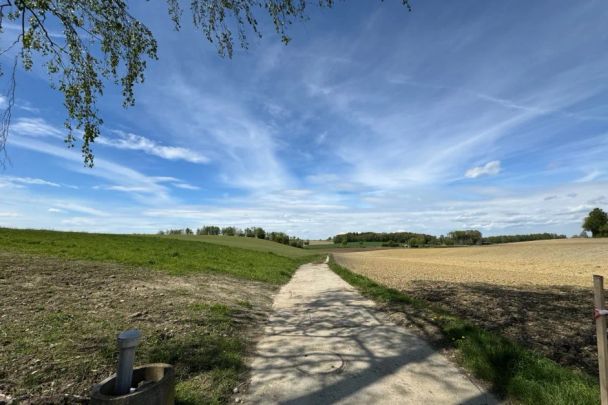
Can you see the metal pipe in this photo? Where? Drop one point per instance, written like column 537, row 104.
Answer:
column 127, row 342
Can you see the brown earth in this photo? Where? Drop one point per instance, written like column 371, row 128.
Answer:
column 59, row 320
column 537, row 293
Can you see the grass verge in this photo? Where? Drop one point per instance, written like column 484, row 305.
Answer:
column 512, row 370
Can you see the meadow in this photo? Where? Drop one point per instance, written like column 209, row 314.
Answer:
column 258, row 245
column 65, row 296
column 536, row 293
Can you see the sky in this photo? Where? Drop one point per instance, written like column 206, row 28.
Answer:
column 457, row 115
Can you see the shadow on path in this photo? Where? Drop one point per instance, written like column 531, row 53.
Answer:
column 325, row 344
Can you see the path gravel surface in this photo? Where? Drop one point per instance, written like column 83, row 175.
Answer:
column 327, row 344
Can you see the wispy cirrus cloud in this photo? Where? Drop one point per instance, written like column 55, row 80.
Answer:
column 489, row 169
column 129, row 141
column 35, row 127
column 145, row 188
column 14, row 181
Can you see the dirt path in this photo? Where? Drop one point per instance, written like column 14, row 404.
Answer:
column 327, row 344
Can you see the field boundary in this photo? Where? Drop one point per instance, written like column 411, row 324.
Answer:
column 511, row 370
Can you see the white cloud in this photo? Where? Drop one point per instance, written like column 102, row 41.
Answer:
column 186, row 186
column 36, row 127
column 490, row 169
column 8, row 181
column 590, row 176
column 118, row 174
column 245, row 146
column 129, row 141
column 66, row 205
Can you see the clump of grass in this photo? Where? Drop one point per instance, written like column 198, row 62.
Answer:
column 512, row 370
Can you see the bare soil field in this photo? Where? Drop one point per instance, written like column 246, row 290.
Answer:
column 538, row 293
column 59, row 320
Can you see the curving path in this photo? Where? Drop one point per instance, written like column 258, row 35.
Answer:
column 327, row 344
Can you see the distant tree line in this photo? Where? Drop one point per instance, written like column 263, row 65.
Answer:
column 254, row 232
column 398, row 237
column 521, row 238
column 455, row 238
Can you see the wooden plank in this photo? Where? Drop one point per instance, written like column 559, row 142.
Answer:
column 601, row 325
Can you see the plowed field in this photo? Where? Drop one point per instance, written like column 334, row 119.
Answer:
column 538, row 293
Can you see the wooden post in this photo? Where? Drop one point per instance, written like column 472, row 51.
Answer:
column 601, row 325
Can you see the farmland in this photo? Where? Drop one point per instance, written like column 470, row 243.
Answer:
column 65, row 296
column 537, row 293
column 545, row 263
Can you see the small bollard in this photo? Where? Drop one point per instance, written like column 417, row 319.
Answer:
column 127, row 342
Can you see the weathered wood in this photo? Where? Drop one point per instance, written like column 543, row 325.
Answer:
column 601, row 325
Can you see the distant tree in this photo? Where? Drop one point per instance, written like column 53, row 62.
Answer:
column 229, row 231
column 468, row 237
column 416, row 241
column 249, row 232
column 208, row 230
column 188, row 231
column 259, row 233
column 521, row 238
column 596, row 223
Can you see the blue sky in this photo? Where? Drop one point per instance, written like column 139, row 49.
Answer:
column 469, row 114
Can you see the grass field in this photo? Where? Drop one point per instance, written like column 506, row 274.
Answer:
column 259, row 245
column 320, row 242
column 173, row 256
column 65, row 296
column 349, row 245
column 536, row 293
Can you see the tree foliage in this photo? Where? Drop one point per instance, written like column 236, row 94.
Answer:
column 411, row 239
column 99, row 41
column 255, row 232
column 596, row 223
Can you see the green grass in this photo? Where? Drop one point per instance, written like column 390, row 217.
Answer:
column 202, row 330
column 259, row 245
column 174, row 256
column 348, row 245
column 512, row 370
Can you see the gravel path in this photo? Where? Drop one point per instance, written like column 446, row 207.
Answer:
column 327, row 344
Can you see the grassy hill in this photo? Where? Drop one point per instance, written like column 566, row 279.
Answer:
column 175, row 256
column 259, row 245
column 198, row 302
